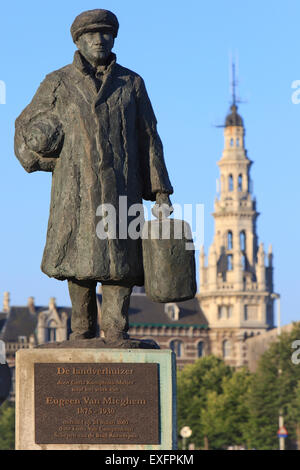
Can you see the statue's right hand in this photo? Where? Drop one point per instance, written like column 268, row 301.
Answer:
column 45, row 137
column 163, row 207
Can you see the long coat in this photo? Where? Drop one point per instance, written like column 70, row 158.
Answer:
column 104, row 144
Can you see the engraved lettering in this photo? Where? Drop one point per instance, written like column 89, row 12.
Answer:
column 105, row 371
column 62, row 370
column 61, row 402
column 96, row 403
column 122, row 402
column 84, row 411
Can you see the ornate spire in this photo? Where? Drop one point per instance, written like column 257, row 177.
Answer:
column 233, row 118
column 234, row 83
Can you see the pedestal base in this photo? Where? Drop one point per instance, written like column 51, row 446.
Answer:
column 100, row 343
column 95, row 399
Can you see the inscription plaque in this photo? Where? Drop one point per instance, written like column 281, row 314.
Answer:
column 82, row 403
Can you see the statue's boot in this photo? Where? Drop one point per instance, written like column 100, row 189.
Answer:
column 114, row 318
column 84, row 309
column 114, row 312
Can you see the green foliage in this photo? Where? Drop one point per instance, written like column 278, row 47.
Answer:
column 275, row 388
column 195, row 382
column 234, row 407
column 225, row 418
column 7, row 426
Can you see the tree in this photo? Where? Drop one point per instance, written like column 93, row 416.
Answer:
column 7, row 426
column 195, row 382
column 229, row 407
column 226, row 416
column 275, row 388
column 293, row 414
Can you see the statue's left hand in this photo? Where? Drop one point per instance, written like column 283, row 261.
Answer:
column 163, row 207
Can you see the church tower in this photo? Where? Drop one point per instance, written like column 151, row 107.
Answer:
column 236, row 283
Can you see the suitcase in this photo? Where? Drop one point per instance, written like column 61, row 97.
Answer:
column 169, row 267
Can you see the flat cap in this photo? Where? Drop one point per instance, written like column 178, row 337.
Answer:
column 93, row 20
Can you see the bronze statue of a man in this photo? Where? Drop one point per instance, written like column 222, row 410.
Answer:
column 92, row 125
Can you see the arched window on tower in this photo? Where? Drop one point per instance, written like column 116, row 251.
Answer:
column 243, row 240
column 238, row 142
column 244, row 262
column 230, row 183
column 229, row 262
column 231, row 142
column 240, row 183
column 229, row 240
column 226, row 349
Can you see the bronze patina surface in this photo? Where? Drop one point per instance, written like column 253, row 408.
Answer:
column 80, row 403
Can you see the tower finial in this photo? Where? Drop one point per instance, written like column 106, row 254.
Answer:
column 233, row 83
column 233, row 118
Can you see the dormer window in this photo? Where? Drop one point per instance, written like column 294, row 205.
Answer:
column 51, row 332
column 172, row 310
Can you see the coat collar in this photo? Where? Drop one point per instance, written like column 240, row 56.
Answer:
column 86, row 68
column 83, row 66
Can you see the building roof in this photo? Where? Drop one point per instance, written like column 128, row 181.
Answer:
column 3, row 317
column 22, row 322
column 144, row 312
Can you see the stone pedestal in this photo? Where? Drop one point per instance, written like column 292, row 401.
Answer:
column 95, row 399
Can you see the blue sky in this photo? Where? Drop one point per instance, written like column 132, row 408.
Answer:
column 182, row 51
